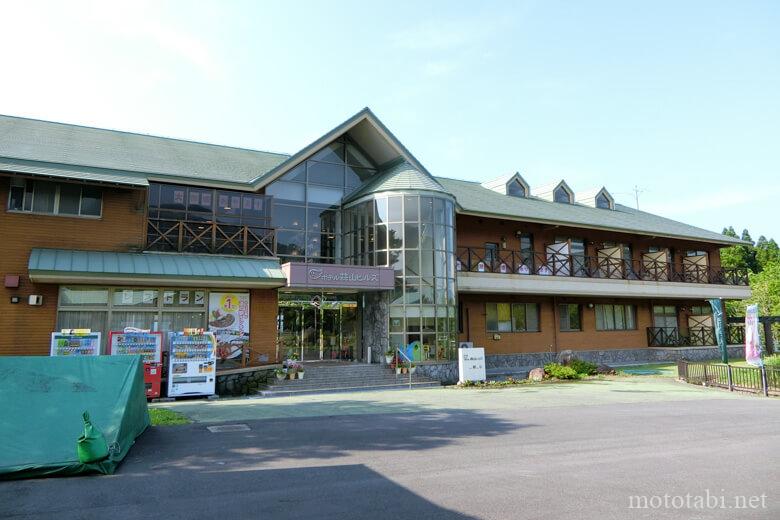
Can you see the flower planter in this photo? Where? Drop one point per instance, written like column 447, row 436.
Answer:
column 398, row 371
column 300, row 375
column 413, row 369
column 389, row 359
column 280, row 376
column 292, row 375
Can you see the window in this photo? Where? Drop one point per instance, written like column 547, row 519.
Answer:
column 665, row 316
column 615, row 317
column 561, row 195
column 570, row 317
column 515, row 188
column 514, row 317
column 527, row 250
column 695, row 253
column 54, row 198
column 701, row 310
column 491, row 254
column 602, row 201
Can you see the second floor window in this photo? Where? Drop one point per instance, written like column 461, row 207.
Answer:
column 54, row 198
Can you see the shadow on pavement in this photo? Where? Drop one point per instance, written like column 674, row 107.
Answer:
column 332, row 492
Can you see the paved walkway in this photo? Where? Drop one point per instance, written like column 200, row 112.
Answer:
column 584, row 393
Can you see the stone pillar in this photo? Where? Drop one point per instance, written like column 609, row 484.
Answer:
column 376, row 318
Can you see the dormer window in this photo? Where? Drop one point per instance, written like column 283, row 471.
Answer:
column 602, row 201
column 561, row 195
column 515, row 188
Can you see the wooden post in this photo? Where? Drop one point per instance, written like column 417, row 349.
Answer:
column 764, row 385
column 769, row 341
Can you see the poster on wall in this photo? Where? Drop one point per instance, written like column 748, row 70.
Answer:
column 229, row 321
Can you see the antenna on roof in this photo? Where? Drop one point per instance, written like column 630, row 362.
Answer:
column 637, row 191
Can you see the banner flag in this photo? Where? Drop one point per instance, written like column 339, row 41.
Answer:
column 752, row 339
column 720, row 328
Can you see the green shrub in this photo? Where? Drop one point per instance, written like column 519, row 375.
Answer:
column 558, row 371
column 583, row 367
column 772, row 361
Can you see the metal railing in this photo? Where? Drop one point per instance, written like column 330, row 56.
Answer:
column 399, row 354
column 696, row 336
column 482, row 260
column 765, row 380
column 188, row 236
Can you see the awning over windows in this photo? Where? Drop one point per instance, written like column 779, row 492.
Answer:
column 103, row 267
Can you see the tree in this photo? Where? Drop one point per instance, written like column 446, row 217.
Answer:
column 767, row 252
column 742, row 256
column 766, row 293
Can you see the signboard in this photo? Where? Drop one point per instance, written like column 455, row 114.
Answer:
column 229, row 321
column 339, row 276
column 471, row 364
column 77, row 342
column 192, row 369
column 752, row 339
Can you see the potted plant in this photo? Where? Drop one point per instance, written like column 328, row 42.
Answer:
column 389, row 355
column 398, row 369
column 404, row 368
column 412, row 368
column 280, row 373
column 300, row 373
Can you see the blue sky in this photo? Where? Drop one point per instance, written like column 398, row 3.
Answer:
column 681, row 99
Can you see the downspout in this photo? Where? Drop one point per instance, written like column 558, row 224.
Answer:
column 556, row 322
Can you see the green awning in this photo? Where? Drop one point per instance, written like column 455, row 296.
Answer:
column 104, row 267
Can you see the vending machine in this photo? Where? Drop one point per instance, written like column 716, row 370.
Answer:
column 75, row 342
column 193, row 363
column 146, row 344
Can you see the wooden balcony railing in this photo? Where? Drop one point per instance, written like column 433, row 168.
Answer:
column 185, row 236
column 696, row 336
column 481, row 260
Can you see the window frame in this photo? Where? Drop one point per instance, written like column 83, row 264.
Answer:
column 613, row 306
column 55, row 212
column 512, row 328
column 567, row 313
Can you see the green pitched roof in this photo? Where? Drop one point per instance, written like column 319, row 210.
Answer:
column 399, row 177
column 475, row 199
column 72, row 266
column 80, row 152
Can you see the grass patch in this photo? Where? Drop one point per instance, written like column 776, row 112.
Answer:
column 165, row 417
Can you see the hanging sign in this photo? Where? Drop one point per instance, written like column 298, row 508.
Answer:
column 229, row 321
column 752, row 339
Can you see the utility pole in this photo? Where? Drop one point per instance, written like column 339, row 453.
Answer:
column 637, row 191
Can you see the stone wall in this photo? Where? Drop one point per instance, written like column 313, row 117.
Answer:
column 243, row 381
column 615, row 356
column 446, row 371
column 376, row 318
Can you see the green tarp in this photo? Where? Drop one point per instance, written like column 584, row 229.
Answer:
column 41, row 404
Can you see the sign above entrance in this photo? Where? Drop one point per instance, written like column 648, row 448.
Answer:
column 334, row 276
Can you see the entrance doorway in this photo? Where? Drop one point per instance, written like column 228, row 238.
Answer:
column 317, row 327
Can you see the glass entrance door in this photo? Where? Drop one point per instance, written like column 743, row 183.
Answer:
column 325, row 332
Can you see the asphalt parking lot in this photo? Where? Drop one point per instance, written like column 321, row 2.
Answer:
column 640, row 448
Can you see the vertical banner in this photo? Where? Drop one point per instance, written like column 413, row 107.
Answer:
column 229, row 321
column 752, row 339
column 720, row 328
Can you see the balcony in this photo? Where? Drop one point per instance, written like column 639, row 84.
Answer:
column 488, row 270
column 696, row 336
column 189, row 236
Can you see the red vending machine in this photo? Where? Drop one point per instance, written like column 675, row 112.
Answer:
column 146, row 344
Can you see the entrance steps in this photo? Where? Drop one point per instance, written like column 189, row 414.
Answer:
column 344, row 378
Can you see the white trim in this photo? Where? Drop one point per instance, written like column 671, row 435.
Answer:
column 595, row 287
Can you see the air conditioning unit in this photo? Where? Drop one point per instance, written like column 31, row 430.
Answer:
column 35, row 299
